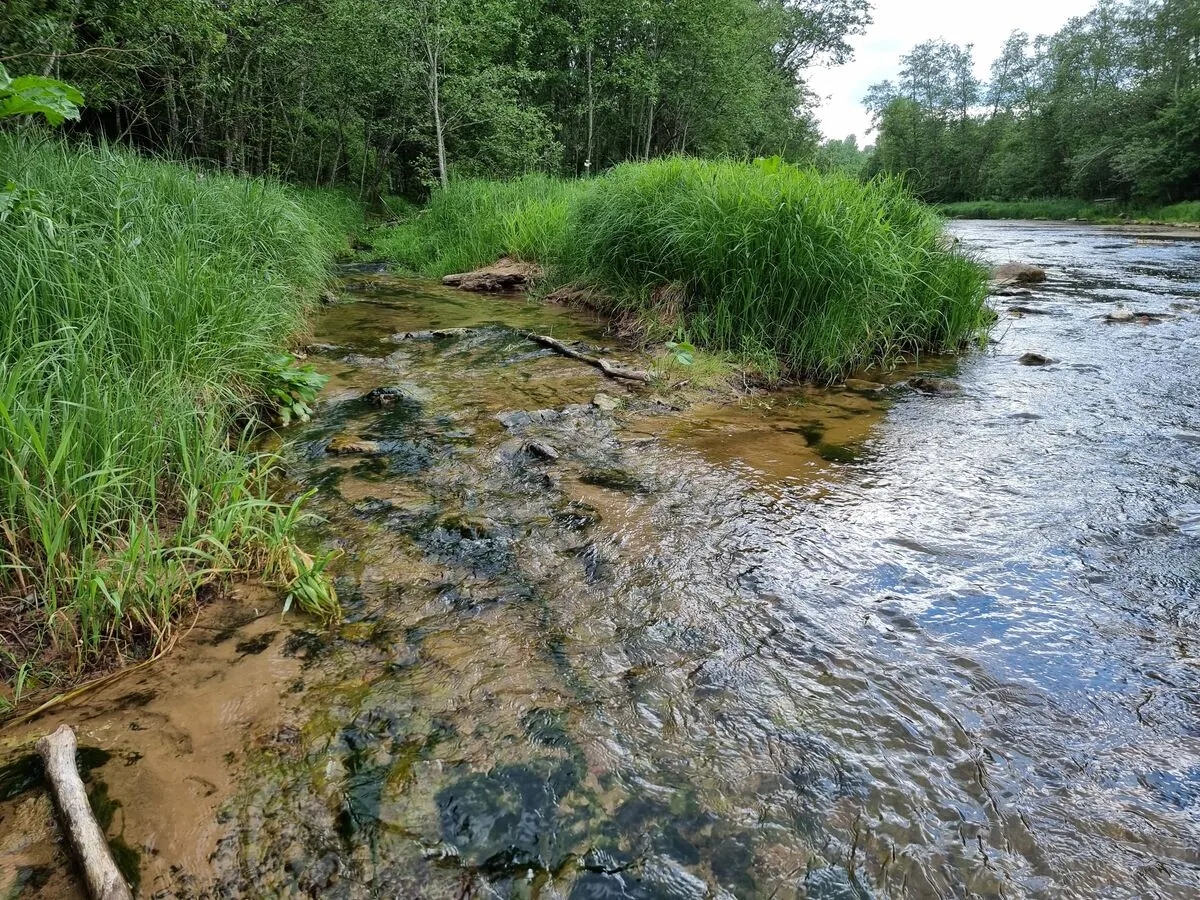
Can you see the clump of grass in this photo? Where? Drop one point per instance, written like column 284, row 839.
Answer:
column 475, row 222
column 817, row 271
column 141, row 308
column 796, row 272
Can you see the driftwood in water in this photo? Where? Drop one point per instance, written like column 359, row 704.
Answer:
column 612, row 370
column 100, row 873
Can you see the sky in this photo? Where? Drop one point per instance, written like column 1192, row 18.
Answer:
column 900, row 24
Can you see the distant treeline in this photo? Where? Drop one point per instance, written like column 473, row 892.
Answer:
column 1107, row 108
column 388, row 96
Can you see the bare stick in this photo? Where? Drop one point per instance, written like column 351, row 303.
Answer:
column 612, row 370
column 100, row 872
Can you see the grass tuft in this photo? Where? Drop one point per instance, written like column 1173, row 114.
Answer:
column 798, row 272
column 477, row 221
column 141, row 308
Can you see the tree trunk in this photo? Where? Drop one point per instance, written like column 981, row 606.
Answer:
column 649, row 128
column 587, row 163
column 100, row 873
column 438, row 128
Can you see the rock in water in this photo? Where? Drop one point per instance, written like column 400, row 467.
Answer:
column 345, row 443
column 1120, row 315
column 605, row 403
column 1036, row 359
column 865, row 387
column 1022, row 273
column 939, row 386
column 542, row 449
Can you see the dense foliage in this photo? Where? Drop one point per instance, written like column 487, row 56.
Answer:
column 817, row 274
column 389, row 96
column 1106, row 109
column 141, row 308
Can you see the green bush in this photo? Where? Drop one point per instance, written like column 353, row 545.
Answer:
column 142, row 306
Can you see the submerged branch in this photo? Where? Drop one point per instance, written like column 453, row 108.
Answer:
column 612, row 370
column 100, row 873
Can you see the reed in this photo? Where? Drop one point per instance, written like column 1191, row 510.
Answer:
column 141, row 305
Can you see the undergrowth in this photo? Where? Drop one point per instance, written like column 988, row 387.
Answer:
column 142, row 308
column 795, row 272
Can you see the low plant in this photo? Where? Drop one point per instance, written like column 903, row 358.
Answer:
column 291, row 389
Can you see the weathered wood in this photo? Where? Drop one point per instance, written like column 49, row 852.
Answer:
column 100, row 873
column 612, row 370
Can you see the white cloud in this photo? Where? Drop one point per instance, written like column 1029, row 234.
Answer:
column 899, row 24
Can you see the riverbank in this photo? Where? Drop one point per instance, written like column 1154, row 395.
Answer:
column 144, row 308
column 1186, row 214
column 794, row 272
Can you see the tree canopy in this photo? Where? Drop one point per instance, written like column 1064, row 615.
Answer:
column 1108, row 107
column 389, row 96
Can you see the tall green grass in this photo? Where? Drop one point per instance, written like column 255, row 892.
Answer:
column 476, row 222
column 817, row 274
column 1187, row 213
column 140, row 305
column 821, row 272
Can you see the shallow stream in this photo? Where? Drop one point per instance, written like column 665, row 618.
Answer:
column 817, row 644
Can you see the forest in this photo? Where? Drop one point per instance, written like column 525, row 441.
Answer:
column 1105, row 110
column 387, row 98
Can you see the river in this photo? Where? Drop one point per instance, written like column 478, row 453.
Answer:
column 814, row 644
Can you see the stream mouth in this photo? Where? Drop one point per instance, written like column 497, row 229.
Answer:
column 822, row 643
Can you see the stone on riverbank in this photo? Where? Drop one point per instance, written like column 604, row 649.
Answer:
column 1021, row 273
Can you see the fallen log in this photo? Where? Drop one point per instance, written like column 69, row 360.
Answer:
column 612, row 370
column 100, row 873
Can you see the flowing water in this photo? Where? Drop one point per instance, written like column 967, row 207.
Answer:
column 814, row 644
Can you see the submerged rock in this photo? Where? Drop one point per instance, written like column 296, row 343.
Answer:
column 605, row 403
column 1036, row 359
column 616, row 480
column 391, row 395
column 542, row 450
column 519, row 418
column 1021, row 273
column 1012, row 292
column 937, row 386
column 1142, row 317
column 347, row 444
column 865, row 387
